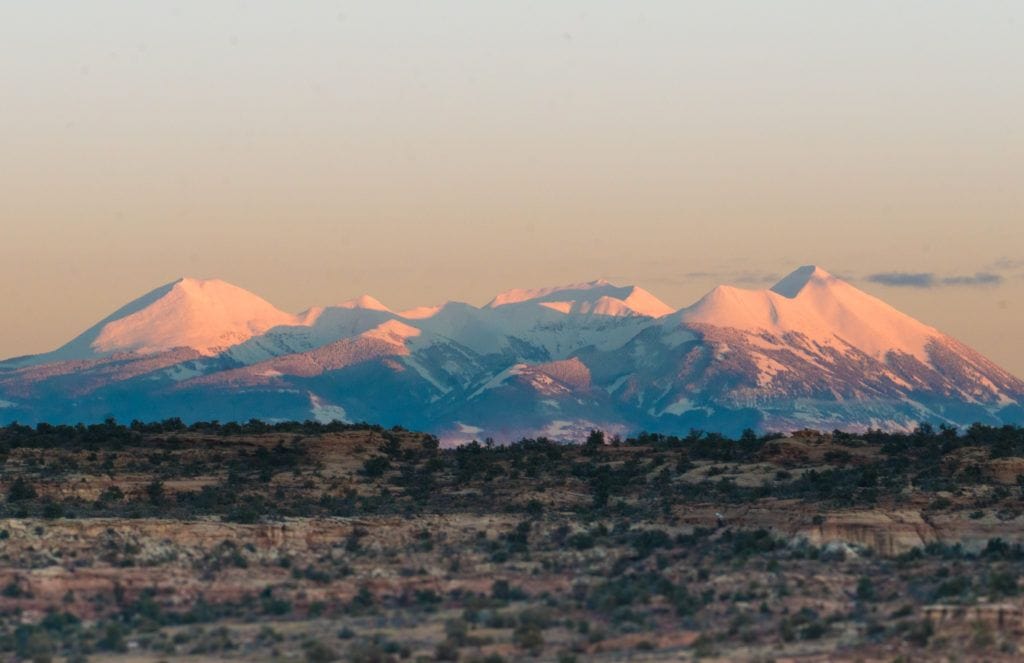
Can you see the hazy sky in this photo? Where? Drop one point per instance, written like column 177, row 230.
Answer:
column 420, row 151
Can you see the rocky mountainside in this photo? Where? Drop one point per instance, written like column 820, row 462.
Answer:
column 813, row 351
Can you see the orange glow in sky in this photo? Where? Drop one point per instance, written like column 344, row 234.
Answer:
column 424, row 151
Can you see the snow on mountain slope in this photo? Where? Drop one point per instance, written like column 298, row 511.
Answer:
column 314, row 328
column 520, row 295
column 548, row 378
column 570, row 372
column 75, row 378
column 559, row 335
column 394, row 331
column 387, row 339
column 420, row 312
column 365, row 302
column 205, row 315
column 597, row 297
column 462, row 323
column 824, row 309
column 814, row 350
column 811, row 351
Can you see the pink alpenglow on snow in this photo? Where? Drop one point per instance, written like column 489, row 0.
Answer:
column 365, row 302
column 599, row 297
column 812, row 351
column 205, row 315
column 818, row 305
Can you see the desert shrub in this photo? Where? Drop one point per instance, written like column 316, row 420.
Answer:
column 956, row 587
column 427, row 598
column 646, row 542
column 363, row 602
column 318, row 652
column 501, row 590
column 20, row 491
column 919, row 633
column 376, row 466
column 528, row 637
column 813, row 631
column 581, row 541
column 113, row 638
column 155, row 492
column 1003, row 583
column 865, row 589
column 273, row 605
column 446, row 650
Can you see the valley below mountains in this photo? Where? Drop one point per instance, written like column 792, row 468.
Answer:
column 309, row 542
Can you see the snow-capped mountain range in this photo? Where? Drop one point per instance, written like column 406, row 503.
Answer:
column 812, row 351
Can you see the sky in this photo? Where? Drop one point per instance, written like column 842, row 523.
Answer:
column 425, row 151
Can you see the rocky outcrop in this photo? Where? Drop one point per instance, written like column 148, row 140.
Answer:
column 1006, row 617
column 1005, row 470
column 886, row 533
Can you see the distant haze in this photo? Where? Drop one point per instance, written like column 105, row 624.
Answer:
column 311, row 152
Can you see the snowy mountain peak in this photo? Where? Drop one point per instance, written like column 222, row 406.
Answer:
column 365, row 302
column 811, row 351
column 421, row 312
column 793, row 284
column 645, row 303
column 520, row 295
column 393, row 331
column 824, row 309
column 203, row 314
column 594, row 297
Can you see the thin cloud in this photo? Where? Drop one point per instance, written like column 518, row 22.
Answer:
column 1007, row 265
column 981, row 278
column 903, row 279
column 932, row 280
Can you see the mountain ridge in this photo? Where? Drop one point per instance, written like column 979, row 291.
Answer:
column 812, row 350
